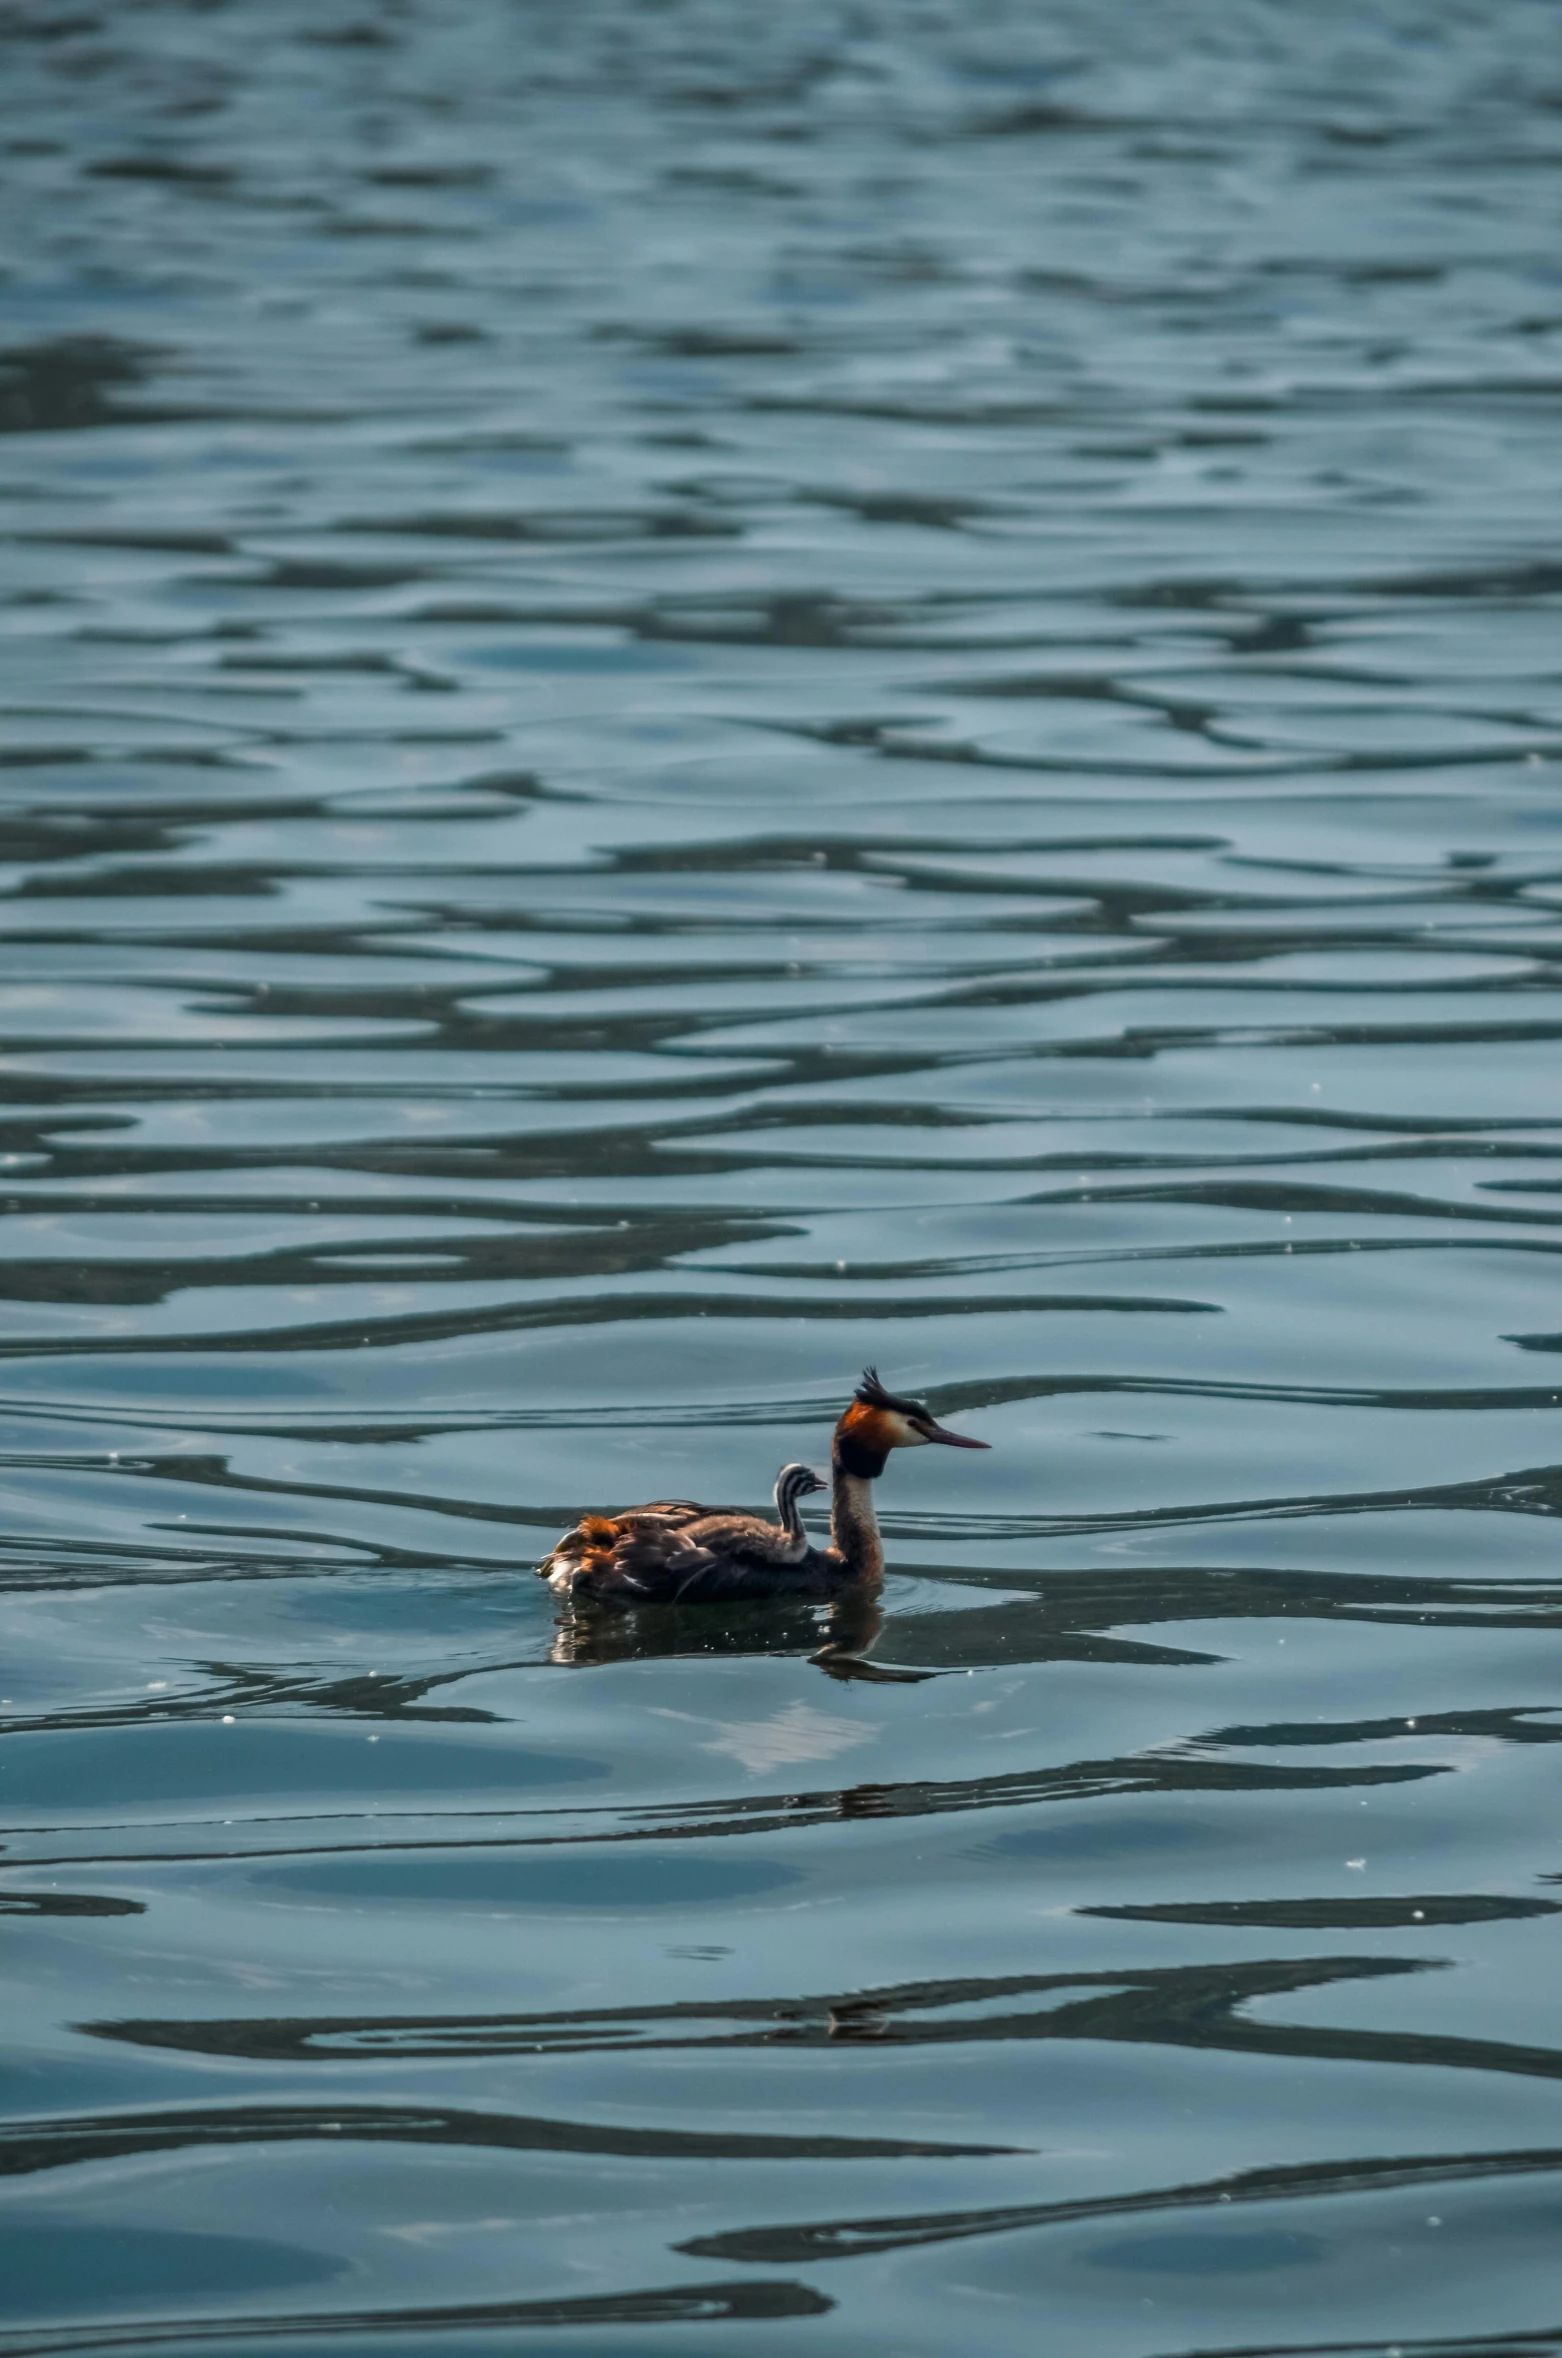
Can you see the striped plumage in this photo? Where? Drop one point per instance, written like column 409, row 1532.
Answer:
column 676, row 1549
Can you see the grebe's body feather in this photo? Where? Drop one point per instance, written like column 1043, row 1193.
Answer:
column 676, row 1546
column 676, row 1549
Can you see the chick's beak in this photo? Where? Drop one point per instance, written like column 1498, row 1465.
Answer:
column 953, row 1440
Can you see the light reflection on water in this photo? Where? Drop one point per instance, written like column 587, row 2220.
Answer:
column 691, row 698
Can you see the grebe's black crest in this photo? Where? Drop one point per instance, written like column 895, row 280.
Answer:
column 873, row 1394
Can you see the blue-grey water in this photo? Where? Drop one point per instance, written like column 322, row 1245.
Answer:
column 693, row 694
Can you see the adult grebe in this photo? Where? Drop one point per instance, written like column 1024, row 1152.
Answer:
column 675, row 1549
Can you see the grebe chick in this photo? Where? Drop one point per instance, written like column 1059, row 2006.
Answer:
column 727, row 1530
column 675, row 1549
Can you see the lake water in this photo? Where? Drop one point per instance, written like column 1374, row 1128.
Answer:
column 695, row 694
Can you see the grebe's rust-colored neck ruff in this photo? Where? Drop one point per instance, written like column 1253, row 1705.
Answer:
column 863, row 1442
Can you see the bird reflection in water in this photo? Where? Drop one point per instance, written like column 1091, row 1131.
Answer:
column 836, row 1635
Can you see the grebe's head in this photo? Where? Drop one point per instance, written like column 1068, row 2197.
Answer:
column 878, row 1421
column 795, row 1482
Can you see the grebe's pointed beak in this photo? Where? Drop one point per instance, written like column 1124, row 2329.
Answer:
column 952, row 1440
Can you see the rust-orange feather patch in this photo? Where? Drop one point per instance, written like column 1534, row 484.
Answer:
column 869, row 1427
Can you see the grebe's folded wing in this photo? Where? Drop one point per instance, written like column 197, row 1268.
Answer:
column 636, row 1555
column 594, row 1532
column 740, row 1538
column 657, row 1561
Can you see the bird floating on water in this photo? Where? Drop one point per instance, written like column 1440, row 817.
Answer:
column 676, row 1549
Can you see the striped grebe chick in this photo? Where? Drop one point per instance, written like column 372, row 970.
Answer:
column 677, row 1549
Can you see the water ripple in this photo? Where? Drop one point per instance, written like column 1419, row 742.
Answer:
column 689, row 698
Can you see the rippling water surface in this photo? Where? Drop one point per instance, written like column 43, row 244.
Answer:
column 693, row 694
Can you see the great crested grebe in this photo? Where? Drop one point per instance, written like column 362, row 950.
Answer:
column 674, row 1548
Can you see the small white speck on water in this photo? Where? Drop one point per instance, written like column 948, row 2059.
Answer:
column 227, row 1719
column 1356, row 1864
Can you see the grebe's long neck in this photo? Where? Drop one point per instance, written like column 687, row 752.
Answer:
column 853, row 1525
column 791, row 1484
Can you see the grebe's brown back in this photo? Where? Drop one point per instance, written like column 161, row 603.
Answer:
column 674, row 1545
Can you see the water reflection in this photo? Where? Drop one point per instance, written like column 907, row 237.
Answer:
column 694, row 698
column 835, row 1634
column 848, row 2239
column 1186, row 2005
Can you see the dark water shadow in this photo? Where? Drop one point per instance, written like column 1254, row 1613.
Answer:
column 850, row 2239
column 27, row 2147
column 1195, row 2006
column 747, row 2300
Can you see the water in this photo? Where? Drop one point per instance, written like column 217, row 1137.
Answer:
column 693, row 695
